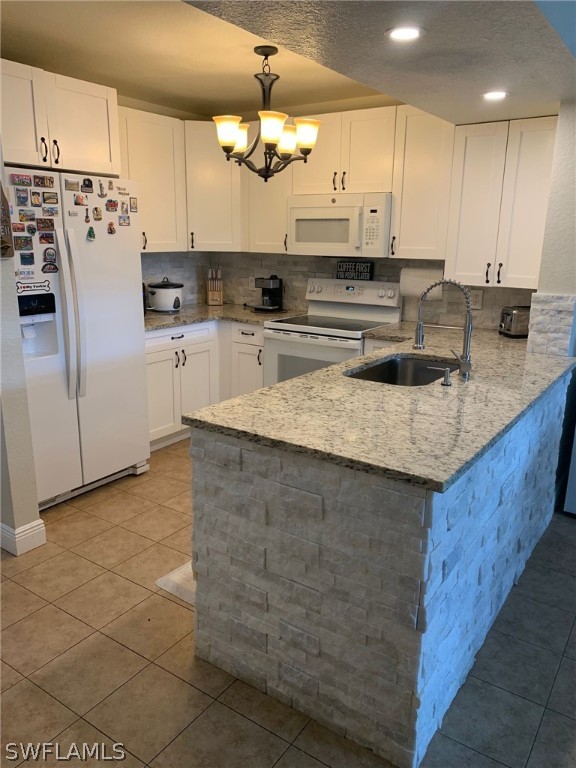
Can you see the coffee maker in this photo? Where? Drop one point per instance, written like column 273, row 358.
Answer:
column 271, row 288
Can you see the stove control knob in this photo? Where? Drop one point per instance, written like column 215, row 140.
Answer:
column 381, row 293
column 391, row 293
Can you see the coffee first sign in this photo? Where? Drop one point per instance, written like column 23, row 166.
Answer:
column 355, row 270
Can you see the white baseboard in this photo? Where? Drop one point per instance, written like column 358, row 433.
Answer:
column 17, row 541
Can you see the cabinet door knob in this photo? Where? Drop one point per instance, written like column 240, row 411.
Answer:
column 334, row 181
column 342, row 182
column 259, row 357
column 44, row 149
column 247, row 333
column 57, row 148
column 177, row 359
column 184, row 358
column 392, row 251
column 191, row 239
column 145, row 241
column 286, row 242
column 488, row 265
column 500, row 265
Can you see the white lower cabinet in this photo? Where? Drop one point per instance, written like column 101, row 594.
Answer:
column 182, row 373
column 246, row 359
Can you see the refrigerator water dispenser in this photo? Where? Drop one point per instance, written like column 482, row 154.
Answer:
column 38, row 324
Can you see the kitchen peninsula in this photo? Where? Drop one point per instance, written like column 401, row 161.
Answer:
column 354, row 541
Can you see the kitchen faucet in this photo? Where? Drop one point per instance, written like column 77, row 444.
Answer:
column 464, row 359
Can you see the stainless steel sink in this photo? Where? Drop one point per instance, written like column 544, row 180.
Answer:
column 404, row 371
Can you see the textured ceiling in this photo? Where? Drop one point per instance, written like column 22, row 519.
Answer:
column 469, row 47
column 168, row 54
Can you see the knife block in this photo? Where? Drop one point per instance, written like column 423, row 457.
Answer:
column 215, row 293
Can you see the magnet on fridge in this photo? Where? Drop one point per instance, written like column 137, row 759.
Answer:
column 87, row 186
column 49, row 254
column 49, row 210
column 72, row 213
column 123, row 220
column 22, row 243
column 21, row 197
column 91, row 235
column 43, row 181
column 45, row 225
column 30, row 229
column 110, row 185
column 35, row 199
column 80, row 200
column 97, row 213
column 49, row 268
column 112, row 206
column 133, row 205
column 102, row 191
column 72, row 185
column 111, row 228
column 47, row 238
column 25, row 214
column 19, row 227
column 87, row 217
column 21, row 179
column 124, row 207
column 27, row 259
column 50, row 198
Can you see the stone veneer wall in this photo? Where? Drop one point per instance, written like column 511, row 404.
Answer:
column 553, row 324
column 357, row 600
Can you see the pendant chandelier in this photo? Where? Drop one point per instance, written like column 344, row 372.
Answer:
column 280, row 140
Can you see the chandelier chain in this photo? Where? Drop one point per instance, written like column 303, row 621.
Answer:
column 266, row 65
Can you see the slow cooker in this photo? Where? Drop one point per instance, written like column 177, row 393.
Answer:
column 165, row 296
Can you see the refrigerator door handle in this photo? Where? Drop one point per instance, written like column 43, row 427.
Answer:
column 68, row 316
column 80, row 310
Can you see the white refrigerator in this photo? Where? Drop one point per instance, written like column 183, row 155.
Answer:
column 79, row 285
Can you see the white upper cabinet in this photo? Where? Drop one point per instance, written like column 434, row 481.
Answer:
column 215, row 202
column 58, row 122
column 153, row 155
column 500, row 186
column 269, row 211
column 354, row 153
column 421, row 185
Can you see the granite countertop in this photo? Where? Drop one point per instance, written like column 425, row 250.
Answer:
column 201, row 313
column 427, row 436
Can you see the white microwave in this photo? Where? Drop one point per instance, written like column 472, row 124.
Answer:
column 340, row 225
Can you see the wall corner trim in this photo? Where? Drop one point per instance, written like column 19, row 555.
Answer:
column 17, row 541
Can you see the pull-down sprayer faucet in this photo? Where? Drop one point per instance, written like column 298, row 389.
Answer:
column 464, row 359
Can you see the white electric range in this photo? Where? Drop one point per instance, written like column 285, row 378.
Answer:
column 340, row 312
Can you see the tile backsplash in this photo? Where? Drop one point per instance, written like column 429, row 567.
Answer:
column 238, row 268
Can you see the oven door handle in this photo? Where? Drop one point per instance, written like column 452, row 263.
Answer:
column 329, row 342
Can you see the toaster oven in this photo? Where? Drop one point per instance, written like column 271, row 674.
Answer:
column 514, row 321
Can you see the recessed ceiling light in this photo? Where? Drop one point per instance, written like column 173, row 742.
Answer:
column 495, row 95
column 404, row 33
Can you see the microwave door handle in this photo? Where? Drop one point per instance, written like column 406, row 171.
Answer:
column 359, row 218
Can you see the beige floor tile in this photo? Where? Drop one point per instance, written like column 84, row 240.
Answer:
column 149, row 711
column 120, row 507
column 88, row 672
column 82, row 733
column 12, row 565
column 103, row 599
column 267, row 712
column 221, row 738
column 31, row 715
column 181, row 448
column 40, row 637
column 151, row 627
column 8, row 677
column 335, row 750
column 85, row 500
column 157, row 523
column 181, row 661
column 181, row 540
column 112, row 547
column 154, row 562
column 127, row 482
column 57, row 512
column 17, row 603
column 181, row 503
column 163, row 462
column 294, row 758
column 59, row 575
column 76, row 528
column 175, row 599
column 158, row 488
column 183, row 474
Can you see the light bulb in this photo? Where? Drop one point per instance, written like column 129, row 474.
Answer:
column 404, row 34
column 242, row 140
column 227, row 127
column 287, row 144
column 306, row 133
column 272, row 124
column 495, row 95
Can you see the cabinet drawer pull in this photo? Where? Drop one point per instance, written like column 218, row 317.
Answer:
column 180, row 336
column 145, row 241
column 259, row 357
column 392, row 251
column 500, row 265
column 177, row 359
column 184, row 358
column 192, row 240
column 44, row 149
column 334, row 181
column 286, row 242
column 57, row 158
column 488, row 265
column 342, row 183
column 247, row 333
